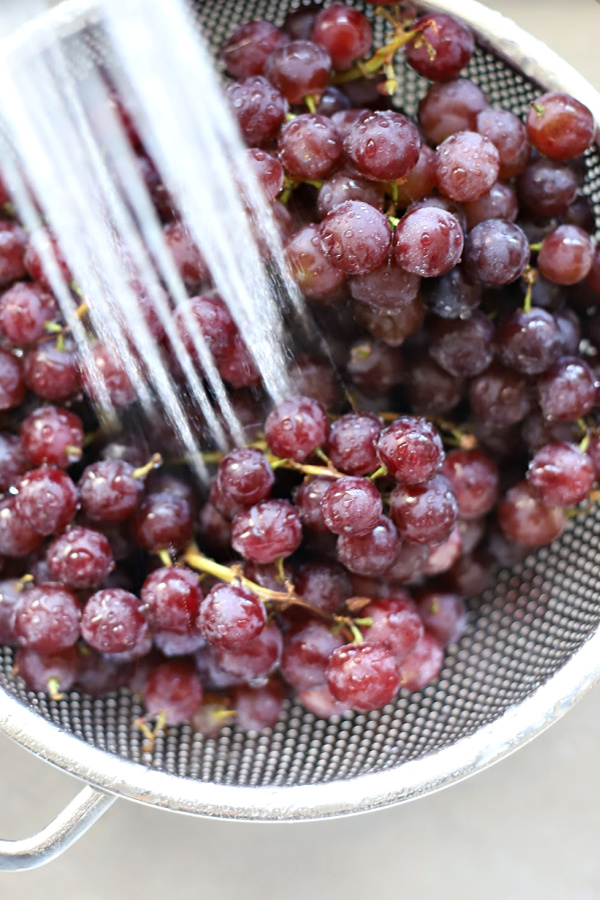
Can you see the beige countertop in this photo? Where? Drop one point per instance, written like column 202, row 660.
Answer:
column 527, row 828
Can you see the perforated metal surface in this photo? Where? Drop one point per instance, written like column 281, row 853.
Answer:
column 521, row 633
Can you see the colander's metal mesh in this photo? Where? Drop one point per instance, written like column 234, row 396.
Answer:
column 521, row 632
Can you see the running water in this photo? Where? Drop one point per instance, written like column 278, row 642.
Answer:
column 69, row 148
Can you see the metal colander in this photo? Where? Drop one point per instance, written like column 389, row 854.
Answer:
column 531, row 650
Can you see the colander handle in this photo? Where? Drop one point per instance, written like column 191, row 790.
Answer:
column 55, row 838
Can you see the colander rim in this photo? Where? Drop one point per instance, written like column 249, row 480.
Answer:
column 487, row 745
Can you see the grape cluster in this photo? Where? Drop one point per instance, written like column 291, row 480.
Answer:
column 449, row 263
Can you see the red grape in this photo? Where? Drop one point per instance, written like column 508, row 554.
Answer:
column 560, row 126
column 365, row 676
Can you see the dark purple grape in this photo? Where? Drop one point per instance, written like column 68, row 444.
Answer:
column 424, row 513
column 475, row 481
column 560, row 126
column 581, row 213
column 113, row 621
column 567, row 390
column 368, row 93
column 450, row 107
column 296, row 427
column 529, row 342
column 356, row 237
column 387, row 287
column 47, row 500
column 499, row 397
column 172, row 596
column 499, row 203
column 566, row 256
column 306, row 651
column 267, row 531
column 451, row 296
column 538, row 431
column 352, row 441
column 299, row 69
column 373, row 367
column 383, row 145
column 526, row 519
column 247, row 48
column 496, row 252
column 315, row 378
column 365, row 676
column 429, row 388
column 428, row 241
column 569, row 326
column 391, row 326
column 332, row 100
column 411, row 449
column 467, row 165
column 47, row 618
column 509, row 136
column 299, row 23
column 173, row 690
column 547, row 187
column 352, row 505
column 463, row 347
column 561, row 474
column 231, row 617
column 310, row 146
column 544, row 294
column 259, row 108
column 369, row 554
